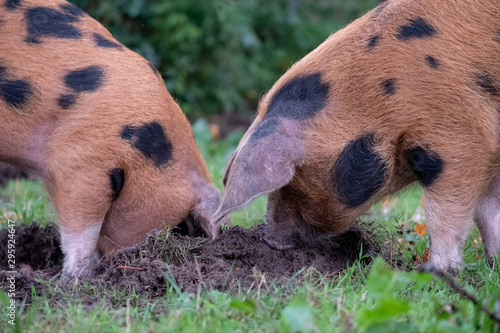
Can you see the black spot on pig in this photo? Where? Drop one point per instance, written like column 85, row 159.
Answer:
column 181, row 229
column 128, row 132
column 264, row 129
column 299, row 99
column 66, row 101
column 88, row 79
column 373, row 42
column 15, row 93
column 71, row 9
column 426, row 164
column 359, row 172
column 416, row 28
column 117, row 178
column 151, row 141
column 154, row 69
column 102, row 41
column 432, row 62
column 389, row 86
column 13, row 4
column 85, row 80
column 48, row 22
column 380, row 8
column 486, row 83
column 2, row 72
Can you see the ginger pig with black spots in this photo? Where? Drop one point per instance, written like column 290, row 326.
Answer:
column 408, row 93
column 95, row 122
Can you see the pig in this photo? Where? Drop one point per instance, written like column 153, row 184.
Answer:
column 96, row 123
column 410, row 92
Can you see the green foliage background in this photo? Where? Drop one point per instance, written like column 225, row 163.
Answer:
column 218, row 56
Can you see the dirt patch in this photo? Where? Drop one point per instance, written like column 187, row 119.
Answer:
column 8, row 172
column 36, row 247
column 238, row 258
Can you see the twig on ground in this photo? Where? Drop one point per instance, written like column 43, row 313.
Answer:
column 128, row 267
column 452, row 283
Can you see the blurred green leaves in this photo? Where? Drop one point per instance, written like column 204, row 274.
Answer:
column 383, row 282
column 384, row 287
column 297, row 317
column 218, row 56
column 247, row 306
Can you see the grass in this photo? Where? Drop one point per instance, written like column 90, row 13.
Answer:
column 25, row 201
column 365, row 298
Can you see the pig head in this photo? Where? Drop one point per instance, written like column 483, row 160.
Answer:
column 409, row 92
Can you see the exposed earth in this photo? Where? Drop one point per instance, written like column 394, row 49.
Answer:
column 238, row 258
column 8, row 172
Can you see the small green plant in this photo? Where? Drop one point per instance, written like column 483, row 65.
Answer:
column 297, row 316
column 385, row 289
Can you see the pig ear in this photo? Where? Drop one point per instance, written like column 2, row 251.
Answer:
column 240, row 145
column 264, row 163
column 228, row 168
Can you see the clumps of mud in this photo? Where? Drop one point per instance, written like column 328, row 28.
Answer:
column 237, row 259
column 229, row 261
column 36, row 247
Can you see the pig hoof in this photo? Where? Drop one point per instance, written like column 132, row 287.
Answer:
column 78, row 267
column 492, row 262
column 278, row 243
column 66, row 277
column 82, row 274
column 439, row 267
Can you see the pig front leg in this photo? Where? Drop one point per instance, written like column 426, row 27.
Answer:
column 80, row 251
column 487, row 218
column 82, row 198
column 282, row 229
column 448, row 224
column 451, row 193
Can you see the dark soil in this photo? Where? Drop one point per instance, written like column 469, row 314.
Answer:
column 35, row 246
column 8, row 172
column 238, row 258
